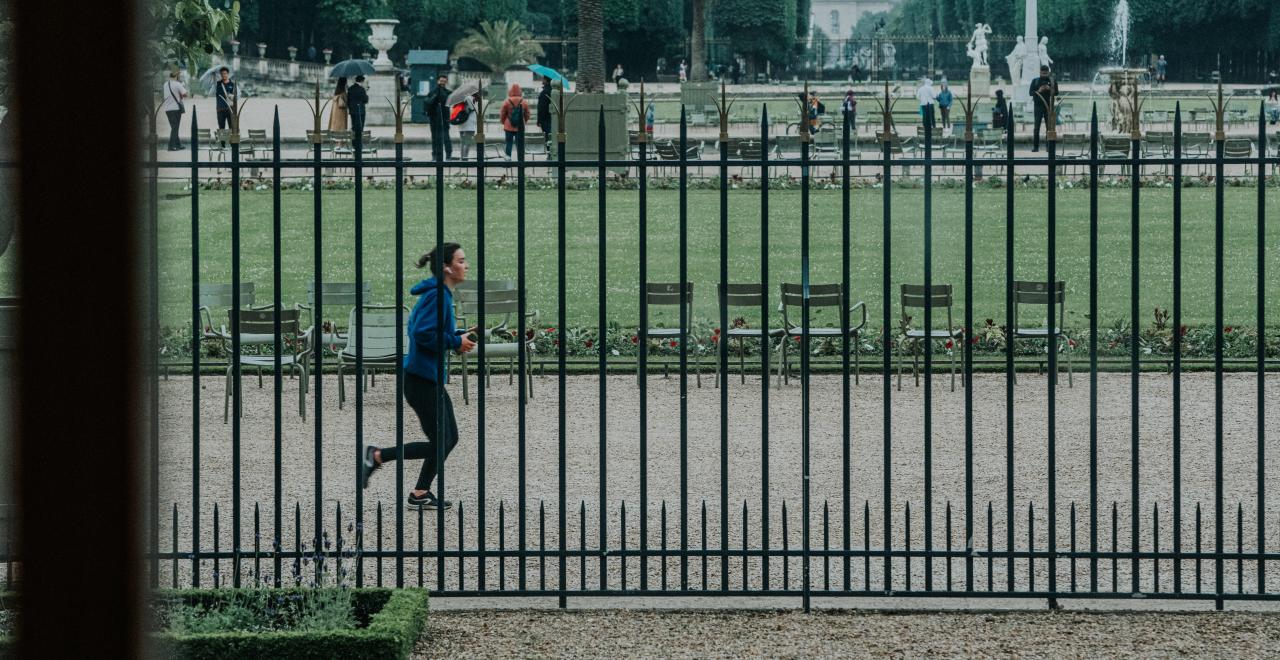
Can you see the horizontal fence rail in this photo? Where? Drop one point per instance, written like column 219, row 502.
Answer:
column 624, row 479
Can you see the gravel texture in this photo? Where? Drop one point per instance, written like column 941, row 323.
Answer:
column 844, row 633
column 866, row 477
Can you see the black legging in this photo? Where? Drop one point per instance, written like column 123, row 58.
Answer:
column 175, row 119
column 421, row 395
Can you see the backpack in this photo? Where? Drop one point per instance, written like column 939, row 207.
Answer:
column 459, row 113
column 516, row 116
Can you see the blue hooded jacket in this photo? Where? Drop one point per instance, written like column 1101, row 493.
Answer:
column 423, row 358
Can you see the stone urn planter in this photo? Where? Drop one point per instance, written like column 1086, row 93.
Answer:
column 383, row 39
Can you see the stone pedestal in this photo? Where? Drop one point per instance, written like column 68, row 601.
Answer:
column 979, row 82
column 381, row 86
column 582, row 126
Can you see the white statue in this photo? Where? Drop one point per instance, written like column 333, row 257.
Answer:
column 976, row 49
column 1014, row 59
column 863, row 58
column 887, row 52
column 1044, row 52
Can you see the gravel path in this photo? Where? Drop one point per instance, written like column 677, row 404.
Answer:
column 844, row 633
column 622, row 463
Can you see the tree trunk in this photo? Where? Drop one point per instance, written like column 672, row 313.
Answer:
column 698, row 43
column 590, row 46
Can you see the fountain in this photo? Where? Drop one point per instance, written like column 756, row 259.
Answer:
column 1120, row 81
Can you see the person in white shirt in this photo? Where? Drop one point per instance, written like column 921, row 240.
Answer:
column 927, row 96
column 467, row 129
column 173, row 92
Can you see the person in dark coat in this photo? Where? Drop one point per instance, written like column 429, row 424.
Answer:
column 357, row 100
column 1043, row 91
column 438, row 114
column 1000, row 111
column 544, row 111
column 226, row 91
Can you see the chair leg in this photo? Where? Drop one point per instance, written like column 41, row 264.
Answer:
column 785, row 366
column 898, row 354
column 466, row 397
column 953, row 367
column 226, row 396
column 302, row 391
column 342, row 387
column 915, row 362
column 259, row 377
column 742, row 362
column 857, row 358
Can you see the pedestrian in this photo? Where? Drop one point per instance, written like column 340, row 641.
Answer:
column 311, row 53
column 467, row 127
column 1162, row 69
column 544, row 113
column 617, row 73
column 514, row 114
column 1000, row 111
column 649, row 114
column 432, row 333
column 438, row 114
column 338, row 116
column 926, row 95
column 357, row 99
column 849, row 108
column 683, row 72
column 1272, row 106
column 857, row 72
column 226, row 94
column 1043, row 90
column 174, row 92
column 944, row 105
column 735, row 70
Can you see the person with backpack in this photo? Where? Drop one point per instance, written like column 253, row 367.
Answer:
column 514, row 114
column 438, row 113
column 465, row 119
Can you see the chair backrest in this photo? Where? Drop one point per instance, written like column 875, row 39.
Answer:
column 750, row 150
column 500, row 297
column 820, row 295
column 258, row 135
column 731, row 145
column 340, row 136
column 219, row 295
column 744, row 295
column 668, row 293
column 378, row 332
column 1237, row 148
column 667, row 150
column 1113, row 146
column 340, row 293
column 204, row 134
column 1196, row 140
column 222, row 134
column 1039, row 293
column 917, row 295
column 262, row 321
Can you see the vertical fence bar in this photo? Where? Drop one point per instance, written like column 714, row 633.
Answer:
column 643, row 345
column 684, row 351
column 845, row 397
column 1054, row 326
column 968, row 349
column 722, row 345
column 560, row 353
column 703, row 554
column 1093, row 349
column 437, row 267
column 1177, row 347
column 1218, row 284
column 236, row 398
column 317, row 185
column 886, row 146
column 153, row 349
column 482, row 389
column 602, row 341
column 198, row 333
column 1262, row 353
column 928, row 348
column 1135, row 271
column 399, row 393
column 522, row 344
column 1008, row 353
column 805, row 392
column 278, row 306
column 357, row 337
column 764, row 346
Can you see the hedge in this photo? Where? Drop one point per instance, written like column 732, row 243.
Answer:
column 395, row 620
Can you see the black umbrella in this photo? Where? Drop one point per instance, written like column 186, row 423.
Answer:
column 351, row 69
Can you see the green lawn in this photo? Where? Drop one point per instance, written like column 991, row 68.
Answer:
column 622, row 251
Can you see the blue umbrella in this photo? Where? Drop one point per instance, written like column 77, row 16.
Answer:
column 351, row 69
column 548, row 72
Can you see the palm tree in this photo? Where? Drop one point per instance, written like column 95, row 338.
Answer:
column 590, row 46
column 499, row 45
column 698, row 43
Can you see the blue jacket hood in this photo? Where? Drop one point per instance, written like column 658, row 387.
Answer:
column 421, row 287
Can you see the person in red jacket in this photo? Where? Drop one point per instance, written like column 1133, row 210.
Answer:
column 514, row 115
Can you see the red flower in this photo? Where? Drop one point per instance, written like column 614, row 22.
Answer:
column 797, row 339
column 715, row 338
column 948, row 345
column 717, row 331
column 635, row 339
column 1227, row 329
column 674, row 343
column 1182, row 330
column 974, row 341
column 555, row 342
column 528, row 334
column 588, row 342
column 550, row 330
column 1072, row 343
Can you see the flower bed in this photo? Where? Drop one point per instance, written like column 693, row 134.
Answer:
column 289, row 623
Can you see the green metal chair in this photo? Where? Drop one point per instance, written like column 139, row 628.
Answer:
column 917, row 296
column 1038, row 294
column 1116, row 147
column 378, row 334
column 219, row 296
column 501, row 302
column 669, row 294
column 344, row 295
column 1239, row 148
column 254, row 326
column 821, row 297
column 752, row 296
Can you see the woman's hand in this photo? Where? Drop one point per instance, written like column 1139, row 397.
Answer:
column 468, row 344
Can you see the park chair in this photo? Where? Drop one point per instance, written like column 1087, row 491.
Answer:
column 750, row 150
column 668, row 294
column 670, row 151
column 1038, row 294
column 897, row 147
column 988, row 142
column 1072, row 148
column 340, row 142
column 256, row 144
column 826, row 141
column 502, row 303
column 217, row 144
column 821, row 296
column 1066, row 113
column 345, row 295
column 368, row 144
column 257, row 327
column 917, row 296
column 326, row 144
column 219, row 296
column 752, row 296
column 1239, row 148
column 378, row 334
column 1116, row 147
column 1197, row 145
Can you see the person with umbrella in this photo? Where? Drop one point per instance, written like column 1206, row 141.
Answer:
column 357, row 99
column 544, row 112
column 437, row 107
column 338, row 116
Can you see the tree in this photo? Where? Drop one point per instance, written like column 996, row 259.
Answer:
column 187, row 31
column 698, row 42
column 590, row 46
column 760, row 30
column 498, row 46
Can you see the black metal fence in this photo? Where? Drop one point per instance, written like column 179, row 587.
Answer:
column 780, row 541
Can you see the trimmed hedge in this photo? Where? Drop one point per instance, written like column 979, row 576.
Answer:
column 395, row 618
